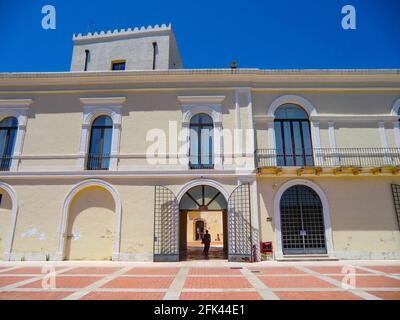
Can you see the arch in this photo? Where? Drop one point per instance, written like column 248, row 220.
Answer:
column 214, row 113
column 13, row 219
column 201, row 182
column 325, row 208
column 65, row 210
column 94, row 113
column 291, row 99
column 396, row 108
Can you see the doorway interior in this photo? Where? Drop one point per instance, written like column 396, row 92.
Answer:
column 203, row 208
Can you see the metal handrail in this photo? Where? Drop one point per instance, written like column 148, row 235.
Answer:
column 5, row 163
column 329, row 157
column 98, row 161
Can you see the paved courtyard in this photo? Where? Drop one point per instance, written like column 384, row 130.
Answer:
column 200, row 280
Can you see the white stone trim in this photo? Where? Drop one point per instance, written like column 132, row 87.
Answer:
column 202, row 182
column 315, row 134
column 17, row 108
column 384, row 140
column 93, row 108
column 332, row 135
column 60, row 254
column 325, row 208
column 188, row 100
column 332, row 140
column 211, row 105
column 13, row 219
column 294, row 99
column 382, row 133
column 396, row 132
column 250, row 144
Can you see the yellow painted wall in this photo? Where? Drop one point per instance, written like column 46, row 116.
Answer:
column 357, row 135
column 5, row 216
column 362, row 213
column 91, row 223
column 40, row 203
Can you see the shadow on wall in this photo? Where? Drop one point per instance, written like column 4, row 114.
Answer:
column 90, row 229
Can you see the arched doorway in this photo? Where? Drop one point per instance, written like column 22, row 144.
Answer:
column 302, row 221
column 202, row 208
column 199, row 228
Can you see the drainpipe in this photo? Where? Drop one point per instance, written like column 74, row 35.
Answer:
column 86, row 58
column 154, row 54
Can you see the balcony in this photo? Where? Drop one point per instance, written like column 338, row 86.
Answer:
column 201, row 166
column 354, row 159
column 98, row 162
column 201, row 161
column 5, row 163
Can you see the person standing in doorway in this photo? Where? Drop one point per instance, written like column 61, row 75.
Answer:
column 206, row 242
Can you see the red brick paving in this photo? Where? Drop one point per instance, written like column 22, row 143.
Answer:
column 5, row 281
column 223, row 278
column 386, row 295
column 143, row 283
column 278, row 270
column 91, row 270
column 28, row 270
column 214, row 271
column 220, row 296
column 295, row 282
column 124, row 296
column 153, row 271
column 336, row 270
column 373, row 281
column 386, row 269
column 66, row 282
column 220, row 282
column 317, row 295
column 33, row 295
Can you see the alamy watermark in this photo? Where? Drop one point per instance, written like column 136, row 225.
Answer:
column 49, row 19
column 349, row 20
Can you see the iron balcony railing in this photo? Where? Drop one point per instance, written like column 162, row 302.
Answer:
column 200, row 166
column 201, row 161
column 98, row 162
column 329, row 157
column 5, row 163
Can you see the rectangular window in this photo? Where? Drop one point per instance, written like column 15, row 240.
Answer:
column 118, row 65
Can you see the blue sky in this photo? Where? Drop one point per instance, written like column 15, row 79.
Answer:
column 265, row 34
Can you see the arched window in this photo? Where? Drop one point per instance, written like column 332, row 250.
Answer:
column 201, row 142
column 293, row 136
column 8, row 134
column 100, row 144
column 302, row 221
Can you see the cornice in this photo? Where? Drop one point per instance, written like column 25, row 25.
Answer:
column 103, row 101
column 378, row 78
column 191, row 100
column 15, row 103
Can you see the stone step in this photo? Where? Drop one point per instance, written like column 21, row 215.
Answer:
column 308, row 257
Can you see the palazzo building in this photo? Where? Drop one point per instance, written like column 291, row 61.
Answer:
column 129, row 156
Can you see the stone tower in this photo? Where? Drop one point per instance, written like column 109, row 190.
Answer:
column 132, row 49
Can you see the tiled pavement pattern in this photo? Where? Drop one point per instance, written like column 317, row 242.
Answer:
column 200, row 281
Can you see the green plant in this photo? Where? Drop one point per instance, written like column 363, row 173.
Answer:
column 48, row 257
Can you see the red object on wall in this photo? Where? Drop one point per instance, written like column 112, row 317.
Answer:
column 266, row 247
